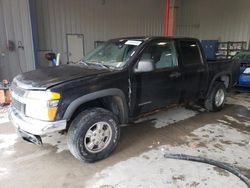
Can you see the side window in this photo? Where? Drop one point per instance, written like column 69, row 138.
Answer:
column 162, row 53
column 190, row 53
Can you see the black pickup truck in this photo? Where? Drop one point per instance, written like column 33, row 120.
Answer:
column 116, row 84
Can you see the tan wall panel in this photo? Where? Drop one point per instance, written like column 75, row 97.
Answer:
column 96, row 20
column 226, row 20
column 15, row 26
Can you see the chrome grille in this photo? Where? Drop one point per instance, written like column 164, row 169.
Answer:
column 14, row 101
column 16, row 104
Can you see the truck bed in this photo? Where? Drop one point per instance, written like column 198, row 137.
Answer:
column 222, row 66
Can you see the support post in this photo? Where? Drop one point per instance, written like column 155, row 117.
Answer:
column 166, row 19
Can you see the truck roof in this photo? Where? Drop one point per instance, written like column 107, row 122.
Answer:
column 145, row 38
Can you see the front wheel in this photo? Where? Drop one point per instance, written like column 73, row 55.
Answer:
column 216, row 98
column 93, row 135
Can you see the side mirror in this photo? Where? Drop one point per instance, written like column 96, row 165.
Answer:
column 144, row 66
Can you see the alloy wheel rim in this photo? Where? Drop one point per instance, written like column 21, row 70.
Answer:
column 219, row 97
column 98, row 137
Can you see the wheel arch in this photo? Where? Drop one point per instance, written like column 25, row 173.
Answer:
column 115, row 99
column 225, row 77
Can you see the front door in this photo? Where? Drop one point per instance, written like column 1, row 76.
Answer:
column 75, row 47
column 160, row 87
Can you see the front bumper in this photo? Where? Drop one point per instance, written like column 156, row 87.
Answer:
column 33, row 126
column 30, row 137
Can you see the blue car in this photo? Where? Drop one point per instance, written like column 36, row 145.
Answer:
column 244, row 59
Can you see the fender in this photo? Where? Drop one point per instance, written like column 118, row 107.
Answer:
column 224, row 73
column 95, row 95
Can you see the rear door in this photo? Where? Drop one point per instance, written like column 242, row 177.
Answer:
column 162, row 86
column 194, row 69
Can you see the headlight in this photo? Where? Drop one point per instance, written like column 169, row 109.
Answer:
column 247, row 71
column 42, row 105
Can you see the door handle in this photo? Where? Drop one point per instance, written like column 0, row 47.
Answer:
column 175, row 75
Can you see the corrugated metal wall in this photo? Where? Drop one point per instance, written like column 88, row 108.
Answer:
column 226, row 20
column 96, row 19
column 15, row 26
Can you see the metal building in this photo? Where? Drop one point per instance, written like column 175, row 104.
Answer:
column 16, row 39
column 225, row 20
column 67, row 26
column 31, row 28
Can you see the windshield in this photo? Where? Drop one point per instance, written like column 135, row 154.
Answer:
column 113, row 53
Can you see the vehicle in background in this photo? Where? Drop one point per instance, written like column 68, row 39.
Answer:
column 244, row 59
column 117, row 83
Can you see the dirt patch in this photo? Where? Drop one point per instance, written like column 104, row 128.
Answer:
column 178, row 178
column 220, row 171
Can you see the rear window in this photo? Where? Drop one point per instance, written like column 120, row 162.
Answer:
column 190, row 53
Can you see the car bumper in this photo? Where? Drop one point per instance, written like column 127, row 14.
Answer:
column 244, row 80
column 33, row 126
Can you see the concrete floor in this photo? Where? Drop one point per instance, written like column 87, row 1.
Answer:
column 138, row 161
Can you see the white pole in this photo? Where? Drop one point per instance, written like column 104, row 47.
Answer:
column 58, row 59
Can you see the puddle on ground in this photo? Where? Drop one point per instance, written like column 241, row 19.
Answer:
column 233, row 119
column 57, row 140
column 167, row 117
column 242, row 99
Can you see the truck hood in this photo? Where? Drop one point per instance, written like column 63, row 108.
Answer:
column 45, row 78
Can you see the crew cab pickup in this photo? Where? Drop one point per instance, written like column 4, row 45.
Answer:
column 116, row 84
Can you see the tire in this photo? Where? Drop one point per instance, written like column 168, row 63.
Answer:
column 89, row 122
column 210, row 103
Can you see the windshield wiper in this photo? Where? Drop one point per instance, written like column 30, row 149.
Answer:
column 98, row 63
column 94, row 63
column 83, row 62
column 102, row 65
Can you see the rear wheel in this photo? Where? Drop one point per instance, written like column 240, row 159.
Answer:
column 93, row 135
column 216, row 98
